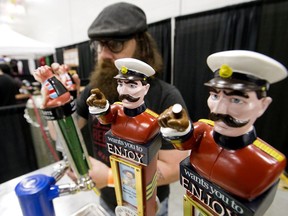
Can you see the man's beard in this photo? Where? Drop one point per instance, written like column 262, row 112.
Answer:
column 103, row 78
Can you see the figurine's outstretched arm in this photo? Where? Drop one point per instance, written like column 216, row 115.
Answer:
column 174, row 121
column 97, row 102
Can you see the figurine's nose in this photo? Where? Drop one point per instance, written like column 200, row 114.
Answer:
column 122, row 89
column 220, row 107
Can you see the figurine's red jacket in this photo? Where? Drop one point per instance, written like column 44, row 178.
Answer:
column 246, row 172
column 139, row 129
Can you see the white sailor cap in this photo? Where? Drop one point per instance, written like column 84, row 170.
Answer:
column 133, row 69
column 241, row 69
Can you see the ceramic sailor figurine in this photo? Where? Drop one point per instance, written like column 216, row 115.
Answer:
column 133, row 140
column 225, row 149
column 139, row 122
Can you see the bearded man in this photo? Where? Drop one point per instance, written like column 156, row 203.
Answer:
column 120, row 31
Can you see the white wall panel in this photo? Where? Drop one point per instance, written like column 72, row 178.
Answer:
column 65, row 22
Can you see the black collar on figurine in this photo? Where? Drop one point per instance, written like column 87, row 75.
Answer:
column 136, row 111
column 234, row 143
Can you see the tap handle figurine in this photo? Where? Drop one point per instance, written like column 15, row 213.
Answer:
column 133, row 139
column 69, row 78
column 238, row 96
column 53, row 91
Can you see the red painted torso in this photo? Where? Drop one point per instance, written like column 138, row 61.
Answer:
column 246, row 172
column 139, row 129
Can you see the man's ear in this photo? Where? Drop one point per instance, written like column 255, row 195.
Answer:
column 265, row 102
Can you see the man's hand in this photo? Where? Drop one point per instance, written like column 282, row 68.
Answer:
column 96, row 99
column 174, row 117
column 98, row 173
column 71, row 174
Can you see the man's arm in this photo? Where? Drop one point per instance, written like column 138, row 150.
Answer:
column 168, row 165
column 81, row 122
column 167, row 168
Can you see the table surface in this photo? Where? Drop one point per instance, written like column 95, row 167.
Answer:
column 65, row 205
column 71, row 204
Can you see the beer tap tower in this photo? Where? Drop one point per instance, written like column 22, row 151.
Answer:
column 36, row 193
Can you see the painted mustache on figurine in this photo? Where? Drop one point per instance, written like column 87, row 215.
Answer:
column 128, row 98
column 227, row 119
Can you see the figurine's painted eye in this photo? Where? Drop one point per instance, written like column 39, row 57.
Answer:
column 133, row 86
column 214, row 96
column 120, row 84
column 236, row 101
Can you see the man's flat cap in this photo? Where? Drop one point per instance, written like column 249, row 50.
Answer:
column 118, row 21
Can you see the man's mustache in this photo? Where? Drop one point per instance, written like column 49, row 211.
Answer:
column 128, row 97
column 227, row 119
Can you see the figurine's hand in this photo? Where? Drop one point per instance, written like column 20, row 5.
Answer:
column 96, row 99
column 42, row 73
column 174, row 117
